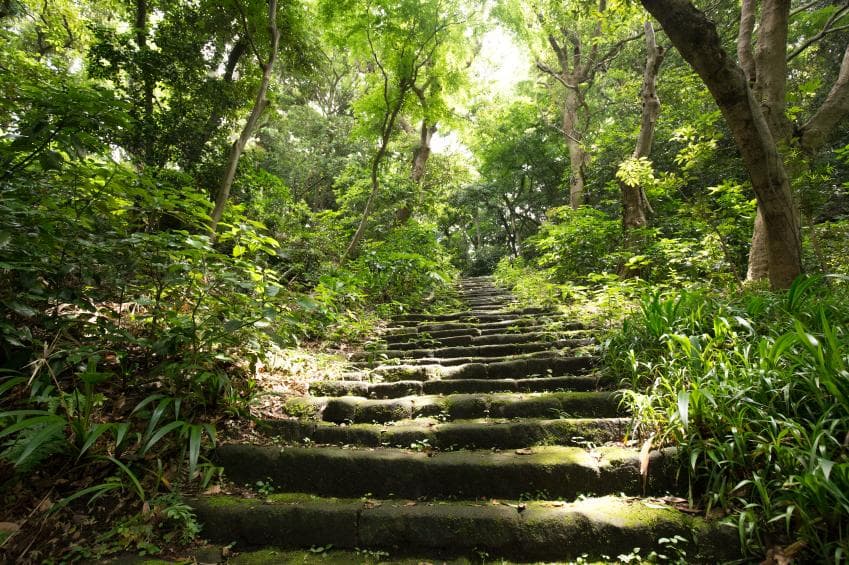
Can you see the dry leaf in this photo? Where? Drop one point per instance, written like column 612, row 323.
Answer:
column 214, row 489
column 9, row 527
column 525, row 451
column 644, row 460
column 411, row 503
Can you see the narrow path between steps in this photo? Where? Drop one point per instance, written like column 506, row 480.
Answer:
column 484, row 431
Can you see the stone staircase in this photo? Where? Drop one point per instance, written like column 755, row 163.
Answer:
column 486, row 432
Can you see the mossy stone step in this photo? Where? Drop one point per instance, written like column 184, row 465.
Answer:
column 472, row 317
column 511, row 322
column 430, row 432
column 398, row 389
column 556, row 327
column 551, row 363
column 506, row 361
column 543, row 531
column 558, row 471
column 497, row 350
column 461, row 315
column 359, row 410
column 491, row 339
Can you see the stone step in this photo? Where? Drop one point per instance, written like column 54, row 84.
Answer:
column 431, row 433
column 474, row 324
column 441, row 337
column 497, row 350
column 518, row 326
column 469, row 315
column 544, row 363
column 398, row 389
column 480, row 298
column 360, row 410
column 557, row 471
column 547, row 362
column 589, row 529
column 490, row 339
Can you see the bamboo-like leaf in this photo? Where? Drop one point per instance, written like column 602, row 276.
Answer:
column 93, row 436
column 132, row 476
column 684, row 407
column 49, row 419
column 160, row 433
column 96, row 490
column 34, row 442
column 194, row 447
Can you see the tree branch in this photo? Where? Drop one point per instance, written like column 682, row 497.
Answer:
column 826, row 29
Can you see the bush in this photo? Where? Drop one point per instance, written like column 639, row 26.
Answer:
column 755, row 391
column 575, row 243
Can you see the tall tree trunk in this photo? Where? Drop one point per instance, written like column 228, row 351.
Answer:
column 420, row 157
column 771, row 88
column 770, row 80
column 697, row 40
column 577, row 153
column 260, row 103
column 635, row 203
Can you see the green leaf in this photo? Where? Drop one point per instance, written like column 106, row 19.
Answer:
column 132, row 476
column 194, row 447
column 684, row 407
column 35, row 441
column 160, row 433
column 95, row 433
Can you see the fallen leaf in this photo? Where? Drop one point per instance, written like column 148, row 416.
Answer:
column 411, row 503
column 9, row 527
column 525, row 451
column 214, row 489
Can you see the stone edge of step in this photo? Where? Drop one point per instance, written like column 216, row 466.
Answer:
column 541, row 530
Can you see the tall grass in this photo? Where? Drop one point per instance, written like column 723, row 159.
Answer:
column 755, row 391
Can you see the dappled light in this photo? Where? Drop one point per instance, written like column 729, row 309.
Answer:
column 424, row 281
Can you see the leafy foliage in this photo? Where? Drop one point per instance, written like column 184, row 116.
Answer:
column 754, row 391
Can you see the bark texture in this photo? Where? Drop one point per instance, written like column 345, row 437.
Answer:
column 420, row 157
column 635, row 203
column 579, row 60
column 260, row 103
column 697, row 40
column 770, row 72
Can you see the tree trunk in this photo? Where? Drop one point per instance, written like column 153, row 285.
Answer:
column 813, row 134
column 386, row 133
column 697, row 40
column 635, row 203
column 420, row 157
column 259, row 106
column 771, row 86
column 577, row 154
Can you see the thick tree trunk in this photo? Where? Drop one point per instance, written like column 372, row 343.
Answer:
column 771, row 85
column 259, row 106
column 635, row 203
column 577, row 154
column 697, row 40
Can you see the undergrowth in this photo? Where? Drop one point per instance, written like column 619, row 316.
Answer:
column 754, row 389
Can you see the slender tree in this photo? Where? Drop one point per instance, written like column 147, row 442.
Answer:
column 259, row 105
column 635, row 203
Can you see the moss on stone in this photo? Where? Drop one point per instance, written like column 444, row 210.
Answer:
column 300, row 408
